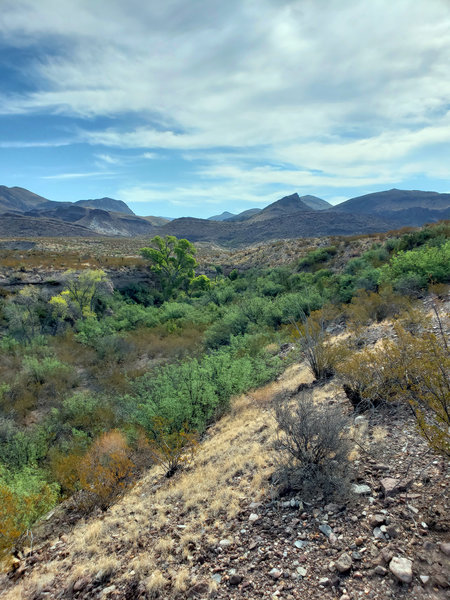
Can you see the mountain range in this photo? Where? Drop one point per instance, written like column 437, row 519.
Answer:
column 25, row 214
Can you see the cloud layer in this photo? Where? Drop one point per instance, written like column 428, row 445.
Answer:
column 308, row 94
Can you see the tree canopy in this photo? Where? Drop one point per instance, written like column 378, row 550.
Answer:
column 173, row 261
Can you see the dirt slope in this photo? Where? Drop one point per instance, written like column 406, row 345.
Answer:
column 219, row 530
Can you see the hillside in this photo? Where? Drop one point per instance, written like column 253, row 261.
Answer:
column 158, row 430
column 19, row 225
column 278, row 225
column 395, row 201
column 218, row 529
column 108, row 204
column 285, row 206
column 19, row 199
column 225, row 216
column 290, row 217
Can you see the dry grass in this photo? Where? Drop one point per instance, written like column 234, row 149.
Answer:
column 151, row 532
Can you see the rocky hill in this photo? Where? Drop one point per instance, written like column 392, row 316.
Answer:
column 218, row 529
column 395, row 201
column 290, row 217
column 303, row 223
column 17, row 199
column 107, row 204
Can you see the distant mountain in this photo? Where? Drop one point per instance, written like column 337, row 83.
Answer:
column 46, row 217
column 157, row 221
column 315, row 203
column 19, row 225
column 100, row 221
column 245, row 215
column 301, row 223
column 223, row 217
column 107, row 204
column 18, row 199
column 394, row 201
column 27, row 215
column 284, row 206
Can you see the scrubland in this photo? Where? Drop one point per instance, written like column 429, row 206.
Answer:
column 150, row 427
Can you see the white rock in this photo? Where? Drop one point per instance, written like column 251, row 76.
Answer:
column 401, row 568
column 253, row 517
column 361, row 489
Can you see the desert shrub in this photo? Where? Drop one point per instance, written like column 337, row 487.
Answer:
column 171, row 448
column 413, row 368
column 141, row 293
column 64, row 468
column 316, row 257
column 42, row 370
column 196, row 392
column 21, row 448
column 113, row 349
column 377, row 255
column 234, row 322
column 368, row 306
column 319, row 353
column 313, row 447
column 131, row 316
column 430, row 263
column 366, row 381
column 106, row 470
column 411, row 285
column 90, row 330
column 425, row 382
column 24, row 497
column 221, row 294
column 295, row 306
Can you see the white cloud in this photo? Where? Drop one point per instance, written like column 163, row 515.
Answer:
column 108, row 159
column 342, row 93
column 79, row 175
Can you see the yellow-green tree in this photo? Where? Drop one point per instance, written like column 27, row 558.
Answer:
column 80, row 293
column 173, row 262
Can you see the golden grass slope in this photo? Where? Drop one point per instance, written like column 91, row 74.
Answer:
column 149, row 533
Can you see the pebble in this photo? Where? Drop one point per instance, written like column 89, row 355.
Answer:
column 275, row 573
column 253, row 517
column 235, row 579
column 444, row 547
column 361, row 489
column 401, row 568
column 225, row 543
column 379, row 570
column 424, row 578
column 378, row 534
column 344, row 563
column 325, row 529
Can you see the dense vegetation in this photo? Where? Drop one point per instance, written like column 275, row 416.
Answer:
column 95, row 385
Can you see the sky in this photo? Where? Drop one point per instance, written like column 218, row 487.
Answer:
column 189, row 107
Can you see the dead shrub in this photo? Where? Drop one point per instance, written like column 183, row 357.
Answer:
column 319, row 353
column 313, row 447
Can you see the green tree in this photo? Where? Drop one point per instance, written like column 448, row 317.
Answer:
column 80, row 293
column 173, row 261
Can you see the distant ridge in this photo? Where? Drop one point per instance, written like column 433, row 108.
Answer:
column 287, row 205
column 315, row 203
column 26, row 215
column 245, row 215
column 394, row 200
column 19, row 199
column 107, row 204
column 225, row 216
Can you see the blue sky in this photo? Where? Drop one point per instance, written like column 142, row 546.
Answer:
column 195, row 107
